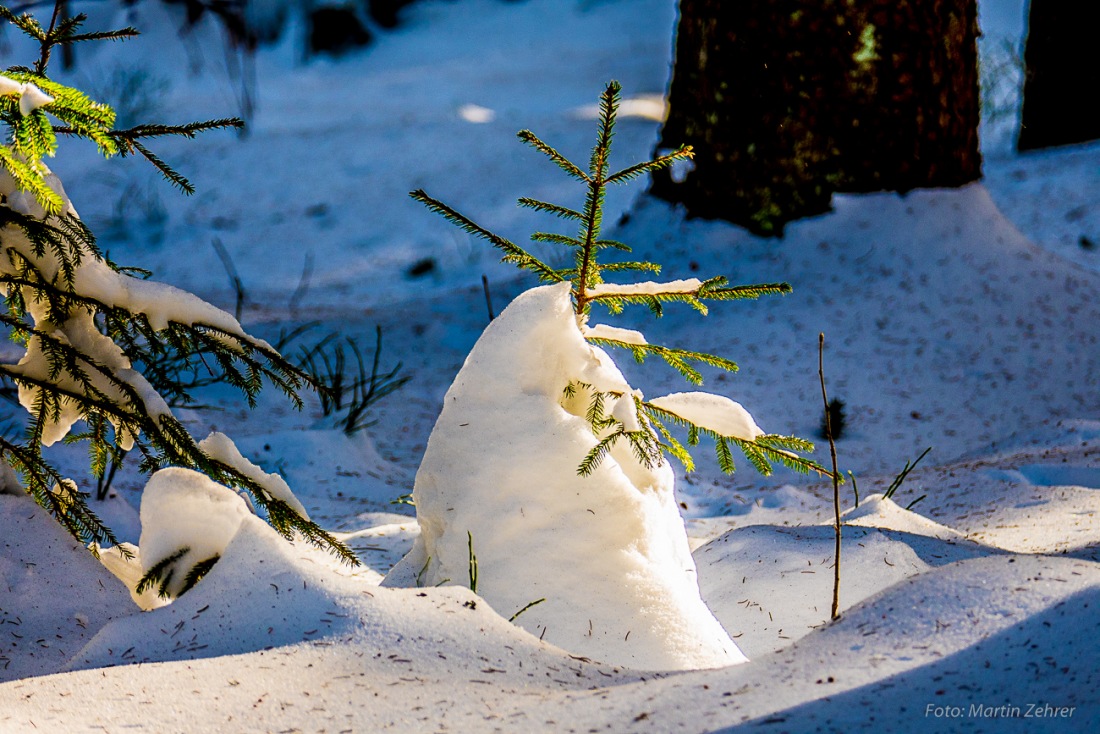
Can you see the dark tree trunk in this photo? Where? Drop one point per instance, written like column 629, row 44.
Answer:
column 1061, row 61
column 789, row 101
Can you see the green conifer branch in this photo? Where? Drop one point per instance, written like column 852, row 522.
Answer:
column 29, row 179
column 628, row 266
column 761, row 451
column 676, row 358
column 172, row 175
column 609, row 108
column 556, row 239
column 197, row 572
column 671, row 444
column 66, row 100
column 564, row 163
column 614, row 301
column 25, row 22
column 547, row 207
column 33, row 137
column 570, row 390
column 588, row 271
column 116, row 406
column 644, row 443
column 613, row 244
column 767, row 449
column 614, row 297
column 513, row 253
column 594, row 414
column 716, row 289
column 61, row 32
column 66, row 27
column 258, row 360
column 597, row 454
column 48, row 40
column 640, row 169
column 128, row 142
column 161, row 572
column 187, row 130
column 646, row 448
column 121, row 34
column 167, row 443
column 40, row 478
column 101, row 450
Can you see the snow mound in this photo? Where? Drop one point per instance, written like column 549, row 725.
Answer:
column 383, row 541
column 266, row 593
column 608, row 553
column 772, row 585
column 986, row 685
column 996, row 630
column 53, row 594
column 962, row 632
column 1060, row 475
column 181, row 508
column 260, row 594
column 878, row 511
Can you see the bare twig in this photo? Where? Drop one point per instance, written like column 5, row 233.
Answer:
column 836, row 476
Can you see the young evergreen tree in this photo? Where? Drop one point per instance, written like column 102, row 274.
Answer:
column 96, row 337
column 646, row 428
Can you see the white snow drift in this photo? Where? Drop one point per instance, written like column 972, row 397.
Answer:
column 181, row 508
column 607, row 552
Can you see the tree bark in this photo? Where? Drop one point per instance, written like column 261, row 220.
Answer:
column 1060, row 56
column 789, row 101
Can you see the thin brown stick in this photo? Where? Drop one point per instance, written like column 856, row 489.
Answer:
column 836, row 476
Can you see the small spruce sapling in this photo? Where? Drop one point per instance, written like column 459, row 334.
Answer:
column 348, row 394
column 645, row 428
column 903, row 475
column 89, row 327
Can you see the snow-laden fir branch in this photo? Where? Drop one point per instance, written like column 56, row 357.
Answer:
column 90, row 329
column 644, row 425
column 691, row 291
column 726, row 422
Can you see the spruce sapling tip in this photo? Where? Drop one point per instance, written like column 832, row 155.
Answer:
column 648, row 435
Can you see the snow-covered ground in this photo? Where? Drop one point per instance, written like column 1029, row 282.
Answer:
column 965, row 320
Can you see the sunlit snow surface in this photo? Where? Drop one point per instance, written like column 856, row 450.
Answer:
column 962, row 320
